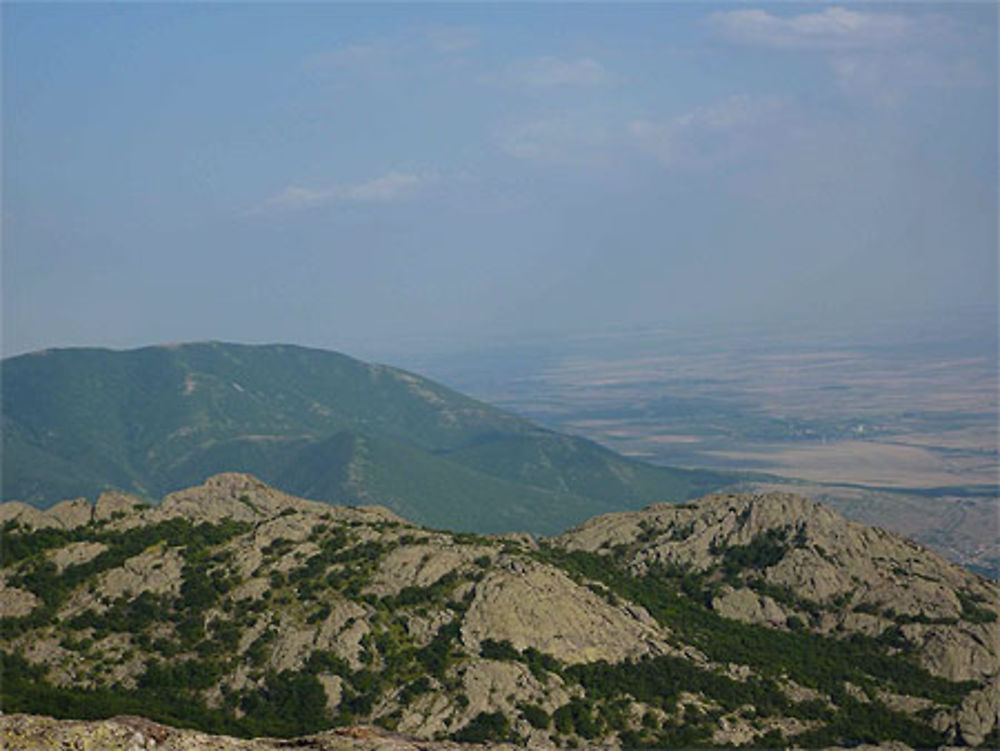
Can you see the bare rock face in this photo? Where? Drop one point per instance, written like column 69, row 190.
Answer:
column 15, row 602
column 111, row 505
column 979, row 714
column 489, row 686
column 806, row 571
column 341, row 632
column 156, row 570
column 975, row 717
column 71, row 514
column 963, row 652
column 333, row 687
column 20, row 732
column 76, row 553
column 227, row 496
column 532, row 605
column 429, row 715
column 492, row 685
column 25, row 515
column 865, row 577
column 242, row 497
column 749, row 607
column 416, row 566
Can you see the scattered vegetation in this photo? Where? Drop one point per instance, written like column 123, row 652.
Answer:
column 681, row 600
column 189, row 643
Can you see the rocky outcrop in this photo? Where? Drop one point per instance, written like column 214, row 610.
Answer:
column 418, row 566
column 432, row 632
column 532, row 605
column 961, row 652
column 157, row 570
column 76, row 553
column 71, row 514
column 976, row 717
column 25, row 515
column 864, row 579
column 21, row 732
column 113, row 505
column 749, row 607
column 242, row 497
column 15, row 602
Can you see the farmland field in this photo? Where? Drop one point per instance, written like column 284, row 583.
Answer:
column 899, row 429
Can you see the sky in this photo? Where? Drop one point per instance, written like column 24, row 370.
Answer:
column 371, row 177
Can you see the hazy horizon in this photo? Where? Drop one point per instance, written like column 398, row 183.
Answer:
column 367, row 178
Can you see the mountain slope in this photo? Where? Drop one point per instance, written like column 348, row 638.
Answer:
column 77, row 422
column 235, row 608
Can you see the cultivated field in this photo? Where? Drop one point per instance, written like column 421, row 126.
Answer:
column 900, row 432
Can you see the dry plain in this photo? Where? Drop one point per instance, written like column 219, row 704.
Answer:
column 900, row 432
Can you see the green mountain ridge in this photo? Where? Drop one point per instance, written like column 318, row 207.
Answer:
column 77, row 422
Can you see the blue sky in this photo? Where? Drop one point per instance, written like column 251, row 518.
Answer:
column 365, row 176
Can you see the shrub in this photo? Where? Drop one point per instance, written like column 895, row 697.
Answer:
column 485, row 727
column 535, row 715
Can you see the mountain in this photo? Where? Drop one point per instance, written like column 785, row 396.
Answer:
column 235, row 608
column 77, row 422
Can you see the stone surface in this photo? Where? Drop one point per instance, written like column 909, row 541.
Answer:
column 856, row 579
column 746, row 605
column 964, row 652
column 76, row 553
column 71, row 514
column 976, row 716
column 15, row 602
column 26, row 515
column 417, row 566
column 21, row 732
column 113, row 504
column 532, row 605
column 830, row 561
column 156, row 570
column 242, row 497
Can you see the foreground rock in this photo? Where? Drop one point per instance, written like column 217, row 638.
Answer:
column 20, row 732
column 762, row 620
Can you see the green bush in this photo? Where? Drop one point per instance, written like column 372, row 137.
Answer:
column 535, row 715
column 498, row 650
column 485, row 727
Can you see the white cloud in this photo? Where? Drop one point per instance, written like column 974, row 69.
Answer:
column 294, row 197
column 391, row 54
column 547, row 72
column 887, row 78
column 828, row 29
column 881, row 57
column 389, row 187
column 385, row 188
column 566, row 139
column 723, row 132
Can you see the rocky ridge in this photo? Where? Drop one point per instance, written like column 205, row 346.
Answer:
column 238, row 608
column 27, row 733
column 859, row 579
